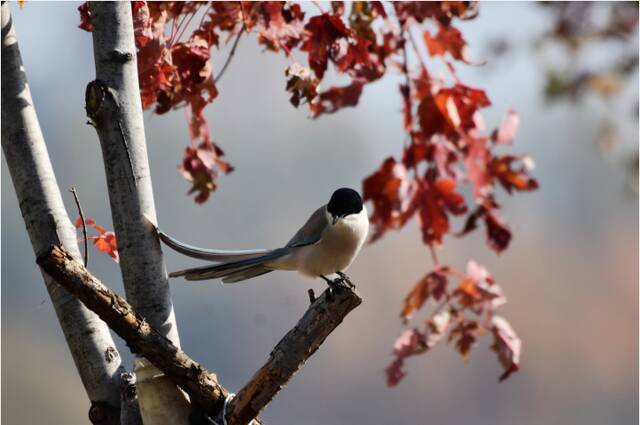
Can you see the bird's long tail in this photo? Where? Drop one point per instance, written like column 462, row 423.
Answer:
column 235, row 266
column 208, row 254
column 233, row 271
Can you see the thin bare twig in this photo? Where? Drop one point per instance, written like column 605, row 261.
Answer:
column 414, row 44
column 318, row 6
column 184, row 28
column 84, row 225
column 434, row 255
column 231, row 53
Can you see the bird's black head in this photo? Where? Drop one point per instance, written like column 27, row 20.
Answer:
column 343, row 202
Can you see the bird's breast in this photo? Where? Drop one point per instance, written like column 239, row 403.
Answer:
column 338, row 247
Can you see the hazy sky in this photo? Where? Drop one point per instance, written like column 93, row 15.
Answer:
column 570, row 275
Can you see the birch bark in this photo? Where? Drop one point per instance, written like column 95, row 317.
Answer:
column 89, row 340
column 114, row 108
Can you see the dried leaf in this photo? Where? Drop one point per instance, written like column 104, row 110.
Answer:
column 433, row 285
column 301, row 83
column 518, row 179
column 508, row 129
column 337, row 98
column 507, row 346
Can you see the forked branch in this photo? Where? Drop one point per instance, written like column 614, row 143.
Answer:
column 141, row 338
column 322, row 317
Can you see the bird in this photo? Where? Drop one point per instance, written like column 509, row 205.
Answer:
column 325, row 245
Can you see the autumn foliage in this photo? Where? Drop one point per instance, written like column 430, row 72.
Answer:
column 104, row 241
column 446, row 147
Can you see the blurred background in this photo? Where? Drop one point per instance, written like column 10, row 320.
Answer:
column 571, row 273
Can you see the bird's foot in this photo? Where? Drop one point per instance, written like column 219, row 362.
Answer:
column 334, row 286
column 344, row 279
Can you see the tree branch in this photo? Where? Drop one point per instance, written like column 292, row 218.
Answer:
column 300, row 343
column 115, row 110
column 140, row 336
column 322, row 317
column 89, row 340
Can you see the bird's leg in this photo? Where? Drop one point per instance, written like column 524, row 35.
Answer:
column 333, row 286
column 344, row 278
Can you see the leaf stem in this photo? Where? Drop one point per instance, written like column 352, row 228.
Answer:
column 434, row 255
column 183, row 29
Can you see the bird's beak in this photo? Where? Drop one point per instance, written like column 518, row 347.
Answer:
column 335, row 219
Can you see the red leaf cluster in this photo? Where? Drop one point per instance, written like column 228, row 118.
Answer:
column 465, row 311
column 279, row 25
column 175, row 72
column 439, row 11
column 104, row 242
column 448, row 150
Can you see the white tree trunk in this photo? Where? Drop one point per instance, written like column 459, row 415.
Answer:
column 115, row 109
column 92, row 348
column 120, row 128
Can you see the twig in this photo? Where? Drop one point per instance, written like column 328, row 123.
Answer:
column 312, row 296
column 143, row 340
column 434, row 255
column 406, row 94
column 84, row 226
column 322, row 317
column 184, row 28
column 318, row 6
column 204, row 15
column 231, row 53
column 417, row 51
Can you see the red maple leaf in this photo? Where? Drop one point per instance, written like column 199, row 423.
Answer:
column 447, row 40
column 464, row 335
column 477, row 290
column 413, row 342
column 409, row 343
column 433, row 285
column 85, row 17
column 336, row 98
column 435, row 199
column 105, row 241
column 519, row 179
column 450, row 111
column 322, row 32
column 281, row 24
column 392, row 195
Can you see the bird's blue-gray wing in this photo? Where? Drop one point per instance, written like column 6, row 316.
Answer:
column 311, row 232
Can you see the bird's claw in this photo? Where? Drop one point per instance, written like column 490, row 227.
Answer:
column 344, row 280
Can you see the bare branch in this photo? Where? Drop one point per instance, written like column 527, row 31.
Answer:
column 140, row 336
column 231, row 53
column 322, row 317
column 84, row 225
